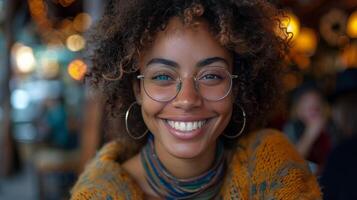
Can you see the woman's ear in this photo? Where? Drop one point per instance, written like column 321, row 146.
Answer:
column 137, row 91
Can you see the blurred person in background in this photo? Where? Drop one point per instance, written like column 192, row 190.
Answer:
column 56, row 155
column 307, row 127
column 340, row 174
column 53, row 123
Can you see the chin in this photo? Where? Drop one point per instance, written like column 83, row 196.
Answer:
column 186, row 150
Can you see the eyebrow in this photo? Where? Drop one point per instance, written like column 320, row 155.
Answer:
column 211, row 60
column 201, row 63
column 162, row 61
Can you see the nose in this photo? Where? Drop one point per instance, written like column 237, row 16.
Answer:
column 188, row 96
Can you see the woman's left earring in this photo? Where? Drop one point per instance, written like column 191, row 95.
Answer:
column 243, row 125
column 127, row 113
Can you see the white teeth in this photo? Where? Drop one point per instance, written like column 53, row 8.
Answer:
column 182, row 126
column 195, row 125
column 186, row 126
column 189, row 126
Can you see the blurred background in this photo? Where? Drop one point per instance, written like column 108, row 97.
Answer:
column 50, row 122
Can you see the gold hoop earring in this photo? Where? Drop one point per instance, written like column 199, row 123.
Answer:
column 243, row 126
column 127, row 124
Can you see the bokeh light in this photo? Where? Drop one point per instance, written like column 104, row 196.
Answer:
column 333, row 27
column 75, row 42
column 352, row 25
column 20, row 99
column 290, row 81
column 38, row 11
column 66, row 3
column 292, row 24
column 306, row 41
column 66, row 27
column 349, row 56
column 49, row 68
column 24, row 58
column 77, row 69
column 82, row 22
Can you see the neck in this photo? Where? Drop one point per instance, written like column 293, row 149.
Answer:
column 184, row 168
column 173, row 177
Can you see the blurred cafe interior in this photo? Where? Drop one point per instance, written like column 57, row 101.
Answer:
column 51, row 121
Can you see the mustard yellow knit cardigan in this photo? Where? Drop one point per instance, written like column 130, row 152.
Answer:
column 264, row 166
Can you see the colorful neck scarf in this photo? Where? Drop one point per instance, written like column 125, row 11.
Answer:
column 205, row 186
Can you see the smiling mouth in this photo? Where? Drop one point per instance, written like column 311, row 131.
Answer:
column 186, row 126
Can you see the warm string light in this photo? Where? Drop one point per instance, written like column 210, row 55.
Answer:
column 39, row 11
column 352, row 25
column 306, row 41
column 349, row 56
column 291, row 23
column 66, row 28
column 75, row 42
column 82, row 22
column 77, row 69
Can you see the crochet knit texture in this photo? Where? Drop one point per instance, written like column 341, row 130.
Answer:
column 264, row 165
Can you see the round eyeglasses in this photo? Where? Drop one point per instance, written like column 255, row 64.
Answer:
column 164, row 83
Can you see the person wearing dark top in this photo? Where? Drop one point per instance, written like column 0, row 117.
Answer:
column 340, row 174
column 338, row 180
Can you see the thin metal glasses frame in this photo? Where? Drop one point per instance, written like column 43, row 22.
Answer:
column 232, row 76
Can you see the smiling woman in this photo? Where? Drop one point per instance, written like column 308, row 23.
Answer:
column 202, row 76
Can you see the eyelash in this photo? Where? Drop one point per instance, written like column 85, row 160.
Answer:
column 209, row 76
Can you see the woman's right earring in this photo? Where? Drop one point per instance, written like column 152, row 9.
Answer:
column 243, row 126
column 127, row 113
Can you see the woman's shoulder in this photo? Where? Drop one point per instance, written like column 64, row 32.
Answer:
column 273, row 145
column 105, row 178
column 266, row 163
column 264, row 137
column 268, row 147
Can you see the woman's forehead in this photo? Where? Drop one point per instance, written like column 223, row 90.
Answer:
column 184, row 43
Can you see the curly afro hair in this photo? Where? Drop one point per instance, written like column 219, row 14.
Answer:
column 247, row 28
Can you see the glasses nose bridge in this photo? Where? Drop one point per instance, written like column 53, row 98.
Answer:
column 179, row 85
column 187, row 95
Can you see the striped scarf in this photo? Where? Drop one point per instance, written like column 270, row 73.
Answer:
column 205, row 186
